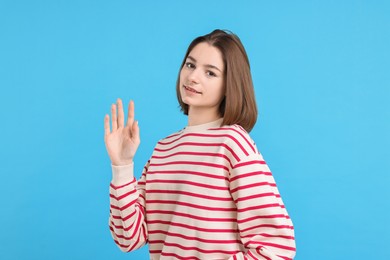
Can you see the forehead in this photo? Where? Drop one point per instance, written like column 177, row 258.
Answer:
column 206, row 54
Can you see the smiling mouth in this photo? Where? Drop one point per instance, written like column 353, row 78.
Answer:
column 191, row 89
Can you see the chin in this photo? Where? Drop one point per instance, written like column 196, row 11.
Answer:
column 185, row 102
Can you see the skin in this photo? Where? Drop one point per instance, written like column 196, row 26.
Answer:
column 202, row 71
column 123, row 140
column 201, row 88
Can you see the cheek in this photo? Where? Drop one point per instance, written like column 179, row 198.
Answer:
column 181, row 77
column 220, row 90
column 181, row 82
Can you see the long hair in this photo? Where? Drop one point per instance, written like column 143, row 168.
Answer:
column 239, row 104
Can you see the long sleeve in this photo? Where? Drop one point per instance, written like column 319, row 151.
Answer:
column 209, row 195
column 264, row 225
column 127, row 208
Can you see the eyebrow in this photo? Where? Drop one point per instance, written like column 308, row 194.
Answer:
column 207, row 65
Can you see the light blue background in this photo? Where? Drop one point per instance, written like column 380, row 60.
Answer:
column 321, row 74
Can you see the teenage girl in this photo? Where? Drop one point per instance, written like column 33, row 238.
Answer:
column 206, row 192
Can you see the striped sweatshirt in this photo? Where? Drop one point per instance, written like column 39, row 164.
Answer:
column 206, row 193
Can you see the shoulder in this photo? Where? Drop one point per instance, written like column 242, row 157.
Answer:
column 237, row 138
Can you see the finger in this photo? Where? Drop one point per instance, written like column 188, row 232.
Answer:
column 113, row 117
column 106, row 125
column 130, row 114
column 120, row 113
column 135, row 131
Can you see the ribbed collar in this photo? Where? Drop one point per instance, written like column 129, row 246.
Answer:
column 202, row 127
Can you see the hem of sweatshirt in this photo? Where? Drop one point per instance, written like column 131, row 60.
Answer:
column 122, row 174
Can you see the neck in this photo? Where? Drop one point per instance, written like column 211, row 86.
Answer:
column 199, row 116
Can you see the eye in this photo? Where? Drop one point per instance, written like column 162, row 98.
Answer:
column 189, row 65
column 210, row 73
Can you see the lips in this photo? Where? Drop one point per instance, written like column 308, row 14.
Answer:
column 191, row 89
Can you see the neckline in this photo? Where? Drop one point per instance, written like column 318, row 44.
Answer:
column 201, row 127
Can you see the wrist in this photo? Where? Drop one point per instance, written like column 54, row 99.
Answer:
column 121, row 163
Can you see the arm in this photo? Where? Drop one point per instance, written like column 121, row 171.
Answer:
column 127, row 200
column 265, row 227
column 127, row 208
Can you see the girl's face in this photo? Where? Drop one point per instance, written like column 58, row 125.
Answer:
column 201, row 79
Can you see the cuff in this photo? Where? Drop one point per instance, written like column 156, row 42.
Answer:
column 122, row 174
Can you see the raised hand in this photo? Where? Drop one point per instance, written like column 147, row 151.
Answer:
column 122, row 142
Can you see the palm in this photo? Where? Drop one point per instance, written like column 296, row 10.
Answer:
column 122, row 142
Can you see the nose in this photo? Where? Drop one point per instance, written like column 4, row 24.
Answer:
column 193, row 76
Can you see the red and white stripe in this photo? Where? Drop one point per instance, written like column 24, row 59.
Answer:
column 204, row 194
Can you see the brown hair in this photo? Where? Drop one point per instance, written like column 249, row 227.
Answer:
column 239, row 104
